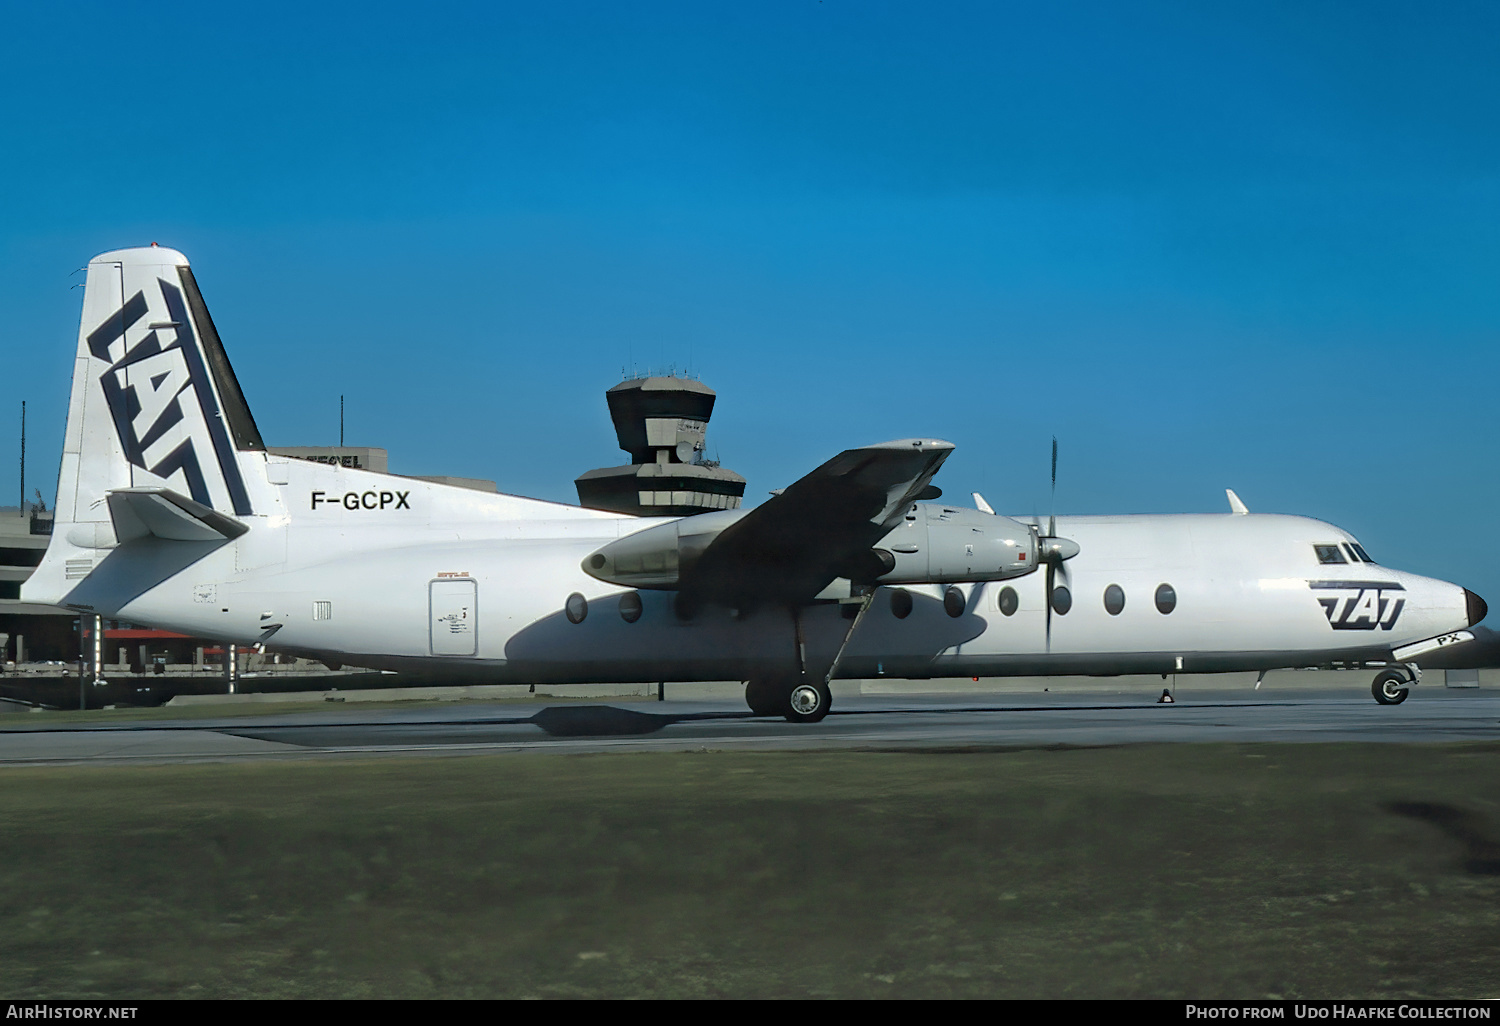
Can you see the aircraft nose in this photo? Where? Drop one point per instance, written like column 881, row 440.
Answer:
column 1476, row 607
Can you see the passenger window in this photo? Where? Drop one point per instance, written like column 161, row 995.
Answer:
column 1363, row 554
column 1009, row 601
column 630, row 606
column 1114, row 599
column 954, row 602
column 1329, row 554
column 900, row 603
column 1062, row 600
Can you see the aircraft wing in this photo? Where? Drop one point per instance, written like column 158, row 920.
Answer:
column 822, row 527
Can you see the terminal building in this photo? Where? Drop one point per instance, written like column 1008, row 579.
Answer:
column 372, row 459
column 29, row 632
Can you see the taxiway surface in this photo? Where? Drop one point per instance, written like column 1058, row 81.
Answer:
column 863, row 721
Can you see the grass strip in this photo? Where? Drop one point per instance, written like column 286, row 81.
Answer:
column 1242, row 871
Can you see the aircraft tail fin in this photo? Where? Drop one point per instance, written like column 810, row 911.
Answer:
column 155, row 403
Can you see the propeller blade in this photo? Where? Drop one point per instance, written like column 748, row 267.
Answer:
column 1051, row 569
column 1054, row 551
column 1052, row 514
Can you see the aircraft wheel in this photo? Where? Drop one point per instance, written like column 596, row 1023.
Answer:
column 766, row 697
column 809, row 703
column 1390, row 688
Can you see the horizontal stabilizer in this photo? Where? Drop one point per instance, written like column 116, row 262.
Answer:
column 138, row 512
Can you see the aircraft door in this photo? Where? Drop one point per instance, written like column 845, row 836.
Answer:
column 454, row 617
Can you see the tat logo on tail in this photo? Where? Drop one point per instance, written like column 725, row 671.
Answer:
column 161, row 399
column 1360, row 605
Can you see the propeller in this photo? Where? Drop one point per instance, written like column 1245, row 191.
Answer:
column 1052, row 507
column 1054, row 551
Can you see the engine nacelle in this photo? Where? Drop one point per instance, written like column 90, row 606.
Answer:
column 934, row 545
column 656, row 557
column 947, row 544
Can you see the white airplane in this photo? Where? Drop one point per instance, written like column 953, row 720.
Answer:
column 170, row 512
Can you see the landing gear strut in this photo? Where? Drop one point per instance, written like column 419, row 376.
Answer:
column 1391, row 687
column 796, row 696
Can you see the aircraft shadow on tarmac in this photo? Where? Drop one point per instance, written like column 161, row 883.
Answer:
column 582, row 721
column 606, row 720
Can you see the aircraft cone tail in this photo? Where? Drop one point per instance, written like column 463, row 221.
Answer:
column 155, row 403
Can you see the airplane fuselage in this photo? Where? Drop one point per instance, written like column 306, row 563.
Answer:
column 402, row 574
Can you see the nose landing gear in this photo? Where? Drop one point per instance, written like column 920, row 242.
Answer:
column 1391, row 687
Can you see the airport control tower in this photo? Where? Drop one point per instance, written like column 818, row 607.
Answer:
column 661, row 422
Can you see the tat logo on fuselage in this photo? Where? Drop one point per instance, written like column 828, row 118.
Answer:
column 162, row 402
column 1360, row 605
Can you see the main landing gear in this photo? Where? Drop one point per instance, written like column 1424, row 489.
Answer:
column 797, row 696
column 798, row 700
column 1391, row 687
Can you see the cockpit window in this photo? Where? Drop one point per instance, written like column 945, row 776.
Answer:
column 1329, row 554
column 1352, row 557
column 1362, row 553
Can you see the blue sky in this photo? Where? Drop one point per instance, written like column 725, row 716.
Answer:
column 1253, row 245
